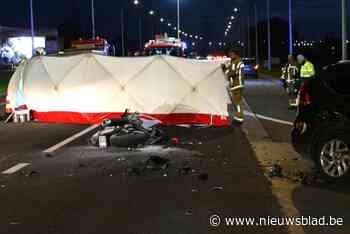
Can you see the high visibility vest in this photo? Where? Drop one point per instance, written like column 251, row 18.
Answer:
column 234, row 73
column 307, row 70
column 292, row 71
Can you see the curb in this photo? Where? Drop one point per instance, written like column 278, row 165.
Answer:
column 269, row 152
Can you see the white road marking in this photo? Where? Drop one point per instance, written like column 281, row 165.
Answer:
column 16, row 168
column 269, row 118
column 56, row 147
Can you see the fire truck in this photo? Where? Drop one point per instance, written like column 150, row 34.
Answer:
column 164, row 45
column 98, row 45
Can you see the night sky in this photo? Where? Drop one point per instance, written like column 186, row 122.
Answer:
column 314, row 18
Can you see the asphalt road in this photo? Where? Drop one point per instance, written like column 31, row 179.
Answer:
column 215, row 171
column 84, row 190
column 266, row 97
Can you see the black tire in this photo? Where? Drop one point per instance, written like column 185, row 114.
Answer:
column 329, row 136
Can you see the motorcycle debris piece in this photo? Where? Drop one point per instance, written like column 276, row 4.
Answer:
column 189, row 213
column 132, row 171
column 156, row 163
column 186, row 170
column 175, row 141
column 217, row 188
column 203, row 176
column 275, row 171
column 194, row 190
column 32, row 173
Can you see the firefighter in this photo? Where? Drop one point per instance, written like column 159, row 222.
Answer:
column 284, row 75
column 234, row 74
column 291, row 74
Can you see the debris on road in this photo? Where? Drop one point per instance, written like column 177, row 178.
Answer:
column 203, row 176
column 156, row 163
column 217, row 188
column 194, row 190
column 121, row 159
column 307, row 178
column 189, row 213
column 175, row 141
column 133, row 171
column 31, row 173
column 186, row 170
column 15, row 223
column 275, row 171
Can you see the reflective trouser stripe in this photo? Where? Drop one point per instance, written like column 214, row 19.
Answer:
column 237, row 87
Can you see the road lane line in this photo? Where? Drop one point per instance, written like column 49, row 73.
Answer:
column 15, row 168
column 269, row 118
column 51, row 150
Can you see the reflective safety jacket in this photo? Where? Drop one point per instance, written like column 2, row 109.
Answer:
column 234, row 73
column 291, row 72
column 307, row 70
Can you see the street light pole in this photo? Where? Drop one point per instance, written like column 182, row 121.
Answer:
column 344, row 31
column 140, row 33
column 256, row 34
column 269, row 65
column 178, row 19
column 93, row 19
column 32, row 25
column 122, row 31
column 248, row 35
column 290, row 28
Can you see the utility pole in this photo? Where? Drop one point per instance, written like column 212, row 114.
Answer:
column 344, row 31
column 178, row 19
column 140, row 33
column 32, row 25
column 243, row 36
column 269, row 64
column 290, row 28
column 256, row 34
column 248, row 37
column 122, row 31
column 93, row 19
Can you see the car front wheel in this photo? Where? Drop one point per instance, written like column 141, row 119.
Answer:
column 333, row 156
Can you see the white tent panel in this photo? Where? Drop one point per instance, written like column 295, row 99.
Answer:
column 158, row 88
column 59, row 68
column 193, row 71
column 124, row 69
column 89, row 88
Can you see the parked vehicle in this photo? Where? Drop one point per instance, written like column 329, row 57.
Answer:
column 250, row 68
column 129, row 131
column 322, row 127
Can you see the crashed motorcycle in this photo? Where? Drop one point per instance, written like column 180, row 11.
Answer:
column 131, row 130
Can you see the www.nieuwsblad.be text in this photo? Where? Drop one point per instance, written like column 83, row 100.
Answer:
column 216, row 221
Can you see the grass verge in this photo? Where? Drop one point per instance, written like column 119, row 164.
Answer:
column 5, row 77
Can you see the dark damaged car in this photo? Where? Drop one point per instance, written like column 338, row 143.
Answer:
column 322, row 127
